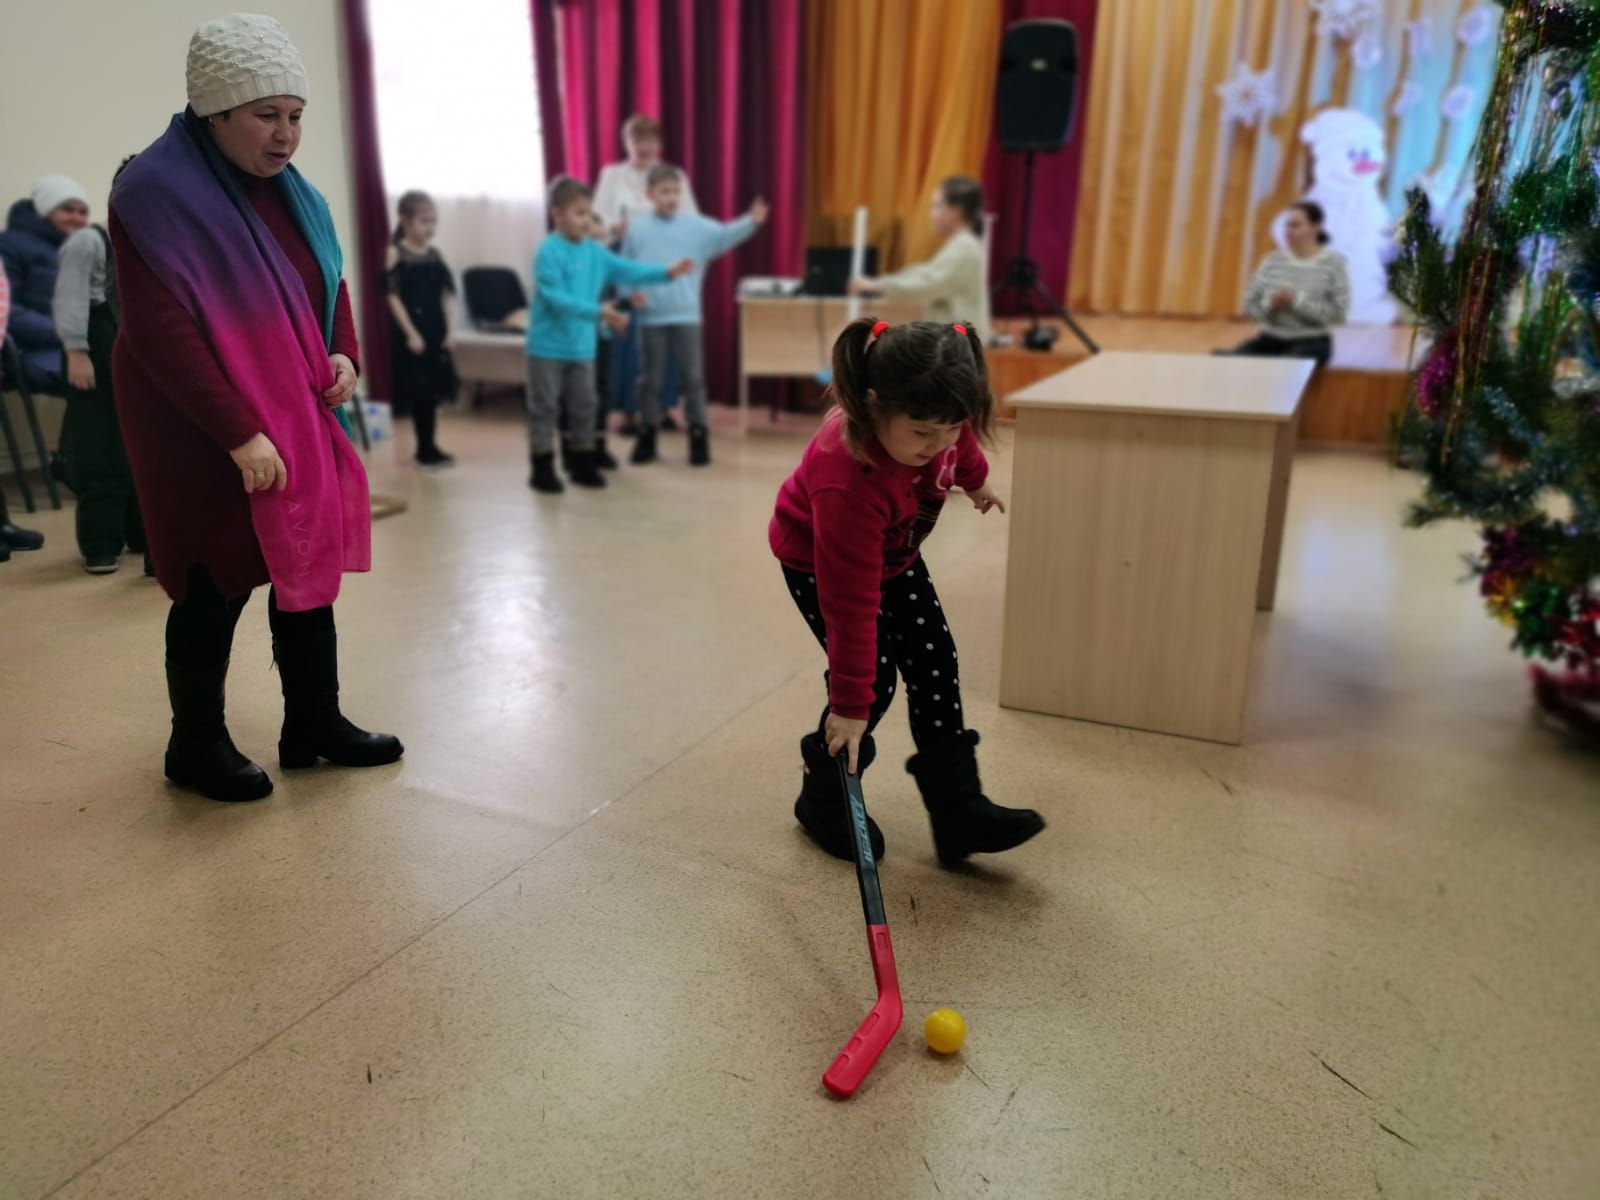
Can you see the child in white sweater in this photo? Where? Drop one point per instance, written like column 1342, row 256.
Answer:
column 953, row 282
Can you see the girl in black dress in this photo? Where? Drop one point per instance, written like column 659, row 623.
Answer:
column 419, row 334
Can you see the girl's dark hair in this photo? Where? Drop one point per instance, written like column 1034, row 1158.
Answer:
column 925, row 370
column 964, row 194
column 411, row 203
column 1313, row 213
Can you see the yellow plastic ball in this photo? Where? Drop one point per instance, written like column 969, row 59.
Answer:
column 945, row 1031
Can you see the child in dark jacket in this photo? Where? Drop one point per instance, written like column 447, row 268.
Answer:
column 913, row 402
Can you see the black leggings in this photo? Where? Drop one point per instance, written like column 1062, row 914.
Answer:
column 914, row 641
column 425, row 418
column 200, row 626
column 1318, row 347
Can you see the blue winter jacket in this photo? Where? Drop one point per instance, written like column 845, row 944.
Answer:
column 29, row 249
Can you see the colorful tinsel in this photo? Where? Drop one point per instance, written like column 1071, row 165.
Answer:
column 1504, row 424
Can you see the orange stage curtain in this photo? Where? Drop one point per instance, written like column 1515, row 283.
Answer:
column 902, row 94
column 1177, row 205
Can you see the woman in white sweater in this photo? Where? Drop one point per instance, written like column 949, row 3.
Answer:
column 953, row 283
column 1298, row 293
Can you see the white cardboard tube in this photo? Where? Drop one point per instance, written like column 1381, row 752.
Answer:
column 858, row 258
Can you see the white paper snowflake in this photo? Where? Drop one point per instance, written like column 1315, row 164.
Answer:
column 1366, row 51
column 1476, row 26
column 1419, row 38
column 1347, row 19
column 1457, row 102
column 1248, row 95
column 1410, row 93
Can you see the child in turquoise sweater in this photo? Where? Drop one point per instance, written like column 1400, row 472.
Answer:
column 570, row 272
column 670, row 313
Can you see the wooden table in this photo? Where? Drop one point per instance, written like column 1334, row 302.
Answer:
column 792, row 336
column 1148, row 507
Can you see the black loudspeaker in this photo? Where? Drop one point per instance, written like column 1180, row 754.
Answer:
column 1037, row 86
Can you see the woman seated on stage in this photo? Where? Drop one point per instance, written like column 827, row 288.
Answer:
column 1298, row 293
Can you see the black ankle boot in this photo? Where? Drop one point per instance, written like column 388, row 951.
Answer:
column 17, row 538
column 699, row 446
column 200, row 754
column 603, row 458
column 644, row 446
column 964, row 820
column 313, row 726
column 583, row 470
column 544, row 477
column 822, row 809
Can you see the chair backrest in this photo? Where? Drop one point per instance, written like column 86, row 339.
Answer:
column 492, row 293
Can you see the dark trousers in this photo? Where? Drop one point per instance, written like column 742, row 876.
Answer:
column 913, row 641
column 668, row 348
column 627, row 372
column 108, row 508
column 200, row 626
column 1267, row 345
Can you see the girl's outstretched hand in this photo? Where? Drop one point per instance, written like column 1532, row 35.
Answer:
column 844, row 734
column 985, row 498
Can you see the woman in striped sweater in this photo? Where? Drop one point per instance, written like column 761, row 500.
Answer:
column 1298, row 293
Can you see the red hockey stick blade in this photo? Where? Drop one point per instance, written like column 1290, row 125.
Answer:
column 873, row 1035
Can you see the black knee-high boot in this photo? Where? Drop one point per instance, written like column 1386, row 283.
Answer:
column 965, row 821
column 200, row 754
column 822, row 809
column 306, row 648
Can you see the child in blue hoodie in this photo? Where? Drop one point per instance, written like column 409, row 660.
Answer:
column 670, row 313
column 570, row 272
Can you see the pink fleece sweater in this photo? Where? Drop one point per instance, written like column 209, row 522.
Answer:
column 853, row 526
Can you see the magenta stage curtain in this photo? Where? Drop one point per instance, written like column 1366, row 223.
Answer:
column 1056, row 176
column 368, row 200
column 547, row 78
column 725, row 78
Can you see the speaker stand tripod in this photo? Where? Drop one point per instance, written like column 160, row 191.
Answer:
column 1022, row 274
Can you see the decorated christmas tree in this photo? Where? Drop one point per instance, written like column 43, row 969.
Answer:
column 1504, row 420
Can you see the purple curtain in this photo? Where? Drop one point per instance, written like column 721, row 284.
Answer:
column 547, row 78
column 1056, row 176
column 728, row 77
column 370, row 203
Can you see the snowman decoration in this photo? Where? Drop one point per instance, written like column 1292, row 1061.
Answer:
column 1348, row 159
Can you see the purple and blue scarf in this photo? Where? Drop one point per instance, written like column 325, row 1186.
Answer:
column 182, row 207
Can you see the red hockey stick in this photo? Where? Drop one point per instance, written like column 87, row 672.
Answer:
column 874, row 1033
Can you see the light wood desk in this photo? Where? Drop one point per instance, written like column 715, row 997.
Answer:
column 792, row 336
column 1148, row 507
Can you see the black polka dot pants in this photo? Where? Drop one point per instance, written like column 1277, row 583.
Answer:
column 914, row 643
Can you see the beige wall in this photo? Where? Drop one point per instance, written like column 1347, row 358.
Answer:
column 91, row 81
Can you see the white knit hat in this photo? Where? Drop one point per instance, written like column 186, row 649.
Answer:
column 239, row 58
column 52, row 191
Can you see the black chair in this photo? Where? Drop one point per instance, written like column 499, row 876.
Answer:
column 13, row 375
column 492, row 295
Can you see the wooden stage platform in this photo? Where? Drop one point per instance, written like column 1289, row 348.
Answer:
column 1350, row 402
